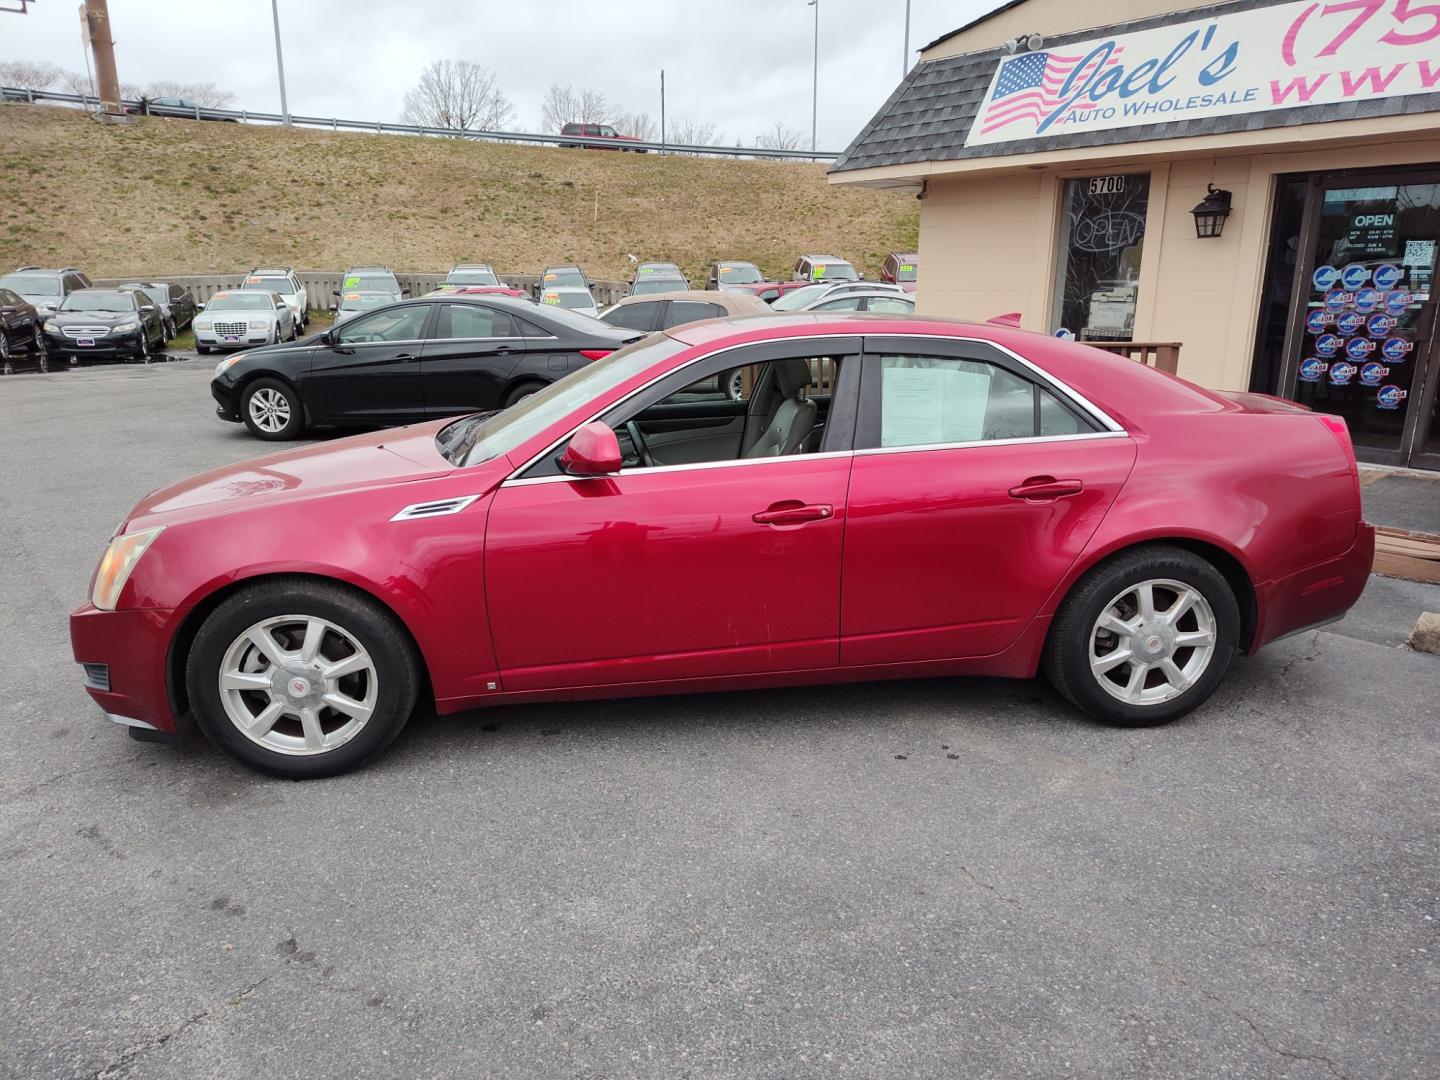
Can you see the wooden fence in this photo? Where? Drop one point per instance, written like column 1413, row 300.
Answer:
column 1161, row 355
column 320, row 285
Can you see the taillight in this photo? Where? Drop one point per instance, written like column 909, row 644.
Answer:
column 595, row 354
column 1341, row 431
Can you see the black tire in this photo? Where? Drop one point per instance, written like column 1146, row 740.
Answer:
column 396, row 667
column 523, row 391
column 1067, row 659
column 142, row 354
column 292, row 428
column 203, row 350
column 168, row 330
column 40, row 350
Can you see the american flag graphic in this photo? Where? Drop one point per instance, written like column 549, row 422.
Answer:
column 1029, row 86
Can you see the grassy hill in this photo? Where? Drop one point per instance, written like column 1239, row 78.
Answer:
column 180, row 196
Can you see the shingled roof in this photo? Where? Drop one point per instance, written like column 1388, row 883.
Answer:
column 929, row 115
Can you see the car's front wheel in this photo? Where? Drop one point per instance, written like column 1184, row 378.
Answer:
column 272, row 410
column 301, row 678
column 142, row 352
column 1144, row 637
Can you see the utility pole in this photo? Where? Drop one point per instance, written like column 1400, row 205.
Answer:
column 905, row 60
column 815, row 77
column 97, row 23
column 280, row 61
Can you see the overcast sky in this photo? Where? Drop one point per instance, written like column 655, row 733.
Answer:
column 741, row 64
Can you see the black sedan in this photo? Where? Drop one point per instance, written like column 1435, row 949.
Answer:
column 176, row 304
column 415, row 360
column 106, row 322
column 21, row 335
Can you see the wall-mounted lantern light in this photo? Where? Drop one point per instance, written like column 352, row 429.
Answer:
column 1210, row 215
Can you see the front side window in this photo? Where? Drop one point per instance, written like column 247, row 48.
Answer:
column 890, row 305
column 393, row 324
column 633, row 316
column 466, row 321
column 1102, row 236
column 684, row 311
column 936, row 400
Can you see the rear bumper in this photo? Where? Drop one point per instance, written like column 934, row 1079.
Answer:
column 1316, row 595
column 133, row 646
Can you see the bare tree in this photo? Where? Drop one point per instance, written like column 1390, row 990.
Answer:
column 692, row 133
column 780, row 137
column 458, row 94
column 24, row 75
column 206, row 95
column 566, row 105
column 641, row 125
column 77, row 82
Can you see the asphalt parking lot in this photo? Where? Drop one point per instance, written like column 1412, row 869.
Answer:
column 944, row 878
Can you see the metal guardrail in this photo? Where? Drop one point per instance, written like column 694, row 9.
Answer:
column 8, row 93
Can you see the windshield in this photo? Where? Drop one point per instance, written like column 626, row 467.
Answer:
column 240, row 302
column 32, row 284
column 373, row 282
column 485, row 436
column 740, row 273
column 563, row 277
column 796, row 299
column 360, row 301
column 471, row 277
column 269, row 284
column 905, row 271
column 834, row 271
column 571, row 301
column 98, row 300
column 657, row 284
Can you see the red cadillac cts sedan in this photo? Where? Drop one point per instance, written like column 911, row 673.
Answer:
column 890, row 497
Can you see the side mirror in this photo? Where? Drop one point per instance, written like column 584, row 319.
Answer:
column 334, row 292
column 592, row 451
column 404, row 292
column 199, row 307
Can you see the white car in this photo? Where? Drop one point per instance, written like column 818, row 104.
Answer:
column 883, row 301
column 281, row 280
column 573, row 298
column 803, row 298
column 243, row 319
column 359, row 301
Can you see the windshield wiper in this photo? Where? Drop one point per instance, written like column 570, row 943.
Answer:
column 462, row 433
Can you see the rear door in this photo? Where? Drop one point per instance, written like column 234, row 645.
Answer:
column 469, row 354
column 976, row 485
column 370, row 370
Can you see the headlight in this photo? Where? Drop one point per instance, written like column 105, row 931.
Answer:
column 259, row 324
column 124, row 328
column 228, row 362
column 203, row 324
column 119, row 559
column 51, row 324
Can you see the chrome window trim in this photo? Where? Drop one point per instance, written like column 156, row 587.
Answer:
column 732, row 463
column 1047, row 380
column 991, row 442
column 505, row 337
column 363, row 344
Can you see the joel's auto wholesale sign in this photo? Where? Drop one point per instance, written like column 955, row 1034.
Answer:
column 1277, row 57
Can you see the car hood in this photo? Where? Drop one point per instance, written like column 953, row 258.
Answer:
column 382, row 458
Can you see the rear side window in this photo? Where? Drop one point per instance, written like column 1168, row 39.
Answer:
column 891, row 305
column 935, row 400
column 633, row 316
column 467, row 321
column 684, row 311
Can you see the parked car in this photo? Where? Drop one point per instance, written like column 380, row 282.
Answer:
column 480, row 290
column 1006, row 504
column 244, row 319
column 875, row 301
column 371, row 279
column 283, row 282
column 22, row 333
column 571, row 298
column 46, row 289
column 182, row 108
column 662, row 311
column 770, row 291
column 800, row 299
column 562, row 277
column 901, row 268
column 600, row 131
column 357, row 303
column 657, row 277
column 824, row 268
column 471, row 274
column 106, row 323
column 410, row 361
column 176, row 304
column 730, row 274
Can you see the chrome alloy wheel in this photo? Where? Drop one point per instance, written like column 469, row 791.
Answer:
column 269, row 409
column 298, row 685
column 1152, row 642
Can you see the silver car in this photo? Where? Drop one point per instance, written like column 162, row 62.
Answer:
column 573, row 297
column 242, row 319
column 360, row 301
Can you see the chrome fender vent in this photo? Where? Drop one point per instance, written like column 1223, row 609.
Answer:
column 438, row 508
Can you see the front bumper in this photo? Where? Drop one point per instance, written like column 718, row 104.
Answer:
column 108, row 345
column 134, row 647
column 247, row 340
column 227, row 402
column 1314, row 596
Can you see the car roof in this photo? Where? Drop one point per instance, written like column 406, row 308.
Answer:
column 470, row 266
column 825, row 258
column 735, row 303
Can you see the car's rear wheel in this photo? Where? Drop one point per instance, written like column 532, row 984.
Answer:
column 1144, row 637
column 521, row 392
column 301, row 678
column 272, row 410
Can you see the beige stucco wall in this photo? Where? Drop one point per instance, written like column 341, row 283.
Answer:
column 1051, row 18
column 988, row 246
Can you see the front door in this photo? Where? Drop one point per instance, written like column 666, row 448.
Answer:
column 975, row 488
column 468, row 357
column 369, row 371
column 728, row 564
column 1362, row 344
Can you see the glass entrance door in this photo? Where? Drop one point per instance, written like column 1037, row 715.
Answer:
column 1362, row 345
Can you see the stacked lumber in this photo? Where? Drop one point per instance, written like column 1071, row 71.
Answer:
column 1411, row 555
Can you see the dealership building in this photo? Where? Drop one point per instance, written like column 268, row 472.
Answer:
column 1258, row 182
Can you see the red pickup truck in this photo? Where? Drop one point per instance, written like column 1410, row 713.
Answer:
column 599, row 131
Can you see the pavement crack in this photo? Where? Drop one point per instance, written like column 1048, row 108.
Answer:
column 1313, row 653
column 988, row 887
